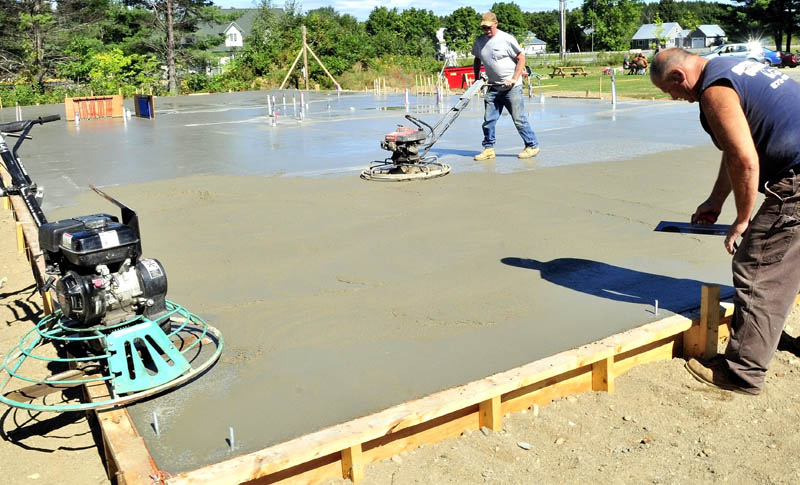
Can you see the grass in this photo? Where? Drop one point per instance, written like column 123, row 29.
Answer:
column 596, row 84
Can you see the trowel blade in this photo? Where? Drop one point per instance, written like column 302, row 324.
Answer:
column 689, row 228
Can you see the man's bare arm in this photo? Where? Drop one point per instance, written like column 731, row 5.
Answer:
column 517, row 71
column 708, row 211
column 723, row 111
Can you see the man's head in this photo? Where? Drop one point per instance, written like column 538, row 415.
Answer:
column 677, row 72
column 489, row 23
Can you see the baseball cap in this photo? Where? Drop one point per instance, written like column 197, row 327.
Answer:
column 488, row 19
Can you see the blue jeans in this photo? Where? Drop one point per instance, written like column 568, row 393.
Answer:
column 510, row 99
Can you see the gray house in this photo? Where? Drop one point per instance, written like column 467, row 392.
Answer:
column 706, row 36
column 649, row 34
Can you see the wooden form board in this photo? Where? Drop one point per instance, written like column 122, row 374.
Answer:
column 345, row 449
column 93, row 107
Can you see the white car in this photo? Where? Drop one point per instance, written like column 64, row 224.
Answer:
column 752, row 51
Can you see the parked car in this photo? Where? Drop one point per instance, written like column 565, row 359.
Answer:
column 751, row 51
column 789, row 59
column 772, row 57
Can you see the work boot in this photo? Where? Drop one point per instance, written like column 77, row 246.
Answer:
column 486, row 154
column 715, row 375
column 529, row 152
column 787, row 343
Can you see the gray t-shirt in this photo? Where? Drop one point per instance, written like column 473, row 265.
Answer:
column 499, row 55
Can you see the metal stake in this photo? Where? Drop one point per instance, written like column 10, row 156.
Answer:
column 656, row 308
column 155, row 424
column 231, row 442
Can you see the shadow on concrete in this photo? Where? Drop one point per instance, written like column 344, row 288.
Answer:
column 619, row 284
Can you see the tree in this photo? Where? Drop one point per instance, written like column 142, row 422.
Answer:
column 661, row 39
column 615, row 22
column 668, row 10
column 545, row 26
column 35, row 33
column 273, row 42
column 510, row 18
column 418, row 32
column 779, row 17
column 462, row 27
column 339, row 41
column 690, row 20
column 175, row 20
column 411, row 32
column 383, row 27
column 111, row 69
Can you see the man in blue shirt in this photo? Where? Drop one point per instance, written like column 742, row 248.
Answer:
column 750, row 112
column 505, row 62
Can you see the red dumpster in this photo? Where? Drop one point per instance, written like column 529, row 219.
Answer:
column 456, row 76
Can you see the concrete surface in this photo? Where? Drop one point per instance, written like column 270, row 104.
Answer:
column 339, row 297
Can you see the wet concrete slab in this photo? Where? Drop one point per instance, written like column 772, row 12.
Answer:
column 340, row 297
column 232, row 134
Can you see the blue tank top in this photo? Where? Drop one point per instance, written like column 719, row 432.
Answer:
column 771, row 103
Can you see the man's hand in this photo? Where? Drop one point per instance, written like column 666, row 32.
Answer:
column 734, row 233
column 509, row 83
column 707, row 212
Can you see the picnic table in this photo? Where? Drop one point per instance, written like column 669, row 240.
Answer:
column 571, row 70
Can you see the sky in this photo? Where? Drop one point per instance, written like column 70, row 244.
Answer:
column 360, row 9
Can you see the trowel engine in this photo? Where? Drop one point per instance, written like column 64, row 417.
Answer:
column 404, row 143
column 103, row 280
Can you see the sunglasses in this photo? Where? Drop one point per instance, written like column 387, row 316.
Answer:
column 486, row 27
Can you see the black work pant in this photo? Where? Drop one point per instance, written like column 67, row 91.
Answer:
column 766, row 277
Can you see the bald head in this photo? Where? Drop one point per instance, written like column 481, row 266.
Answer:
column 666, row 60
column 677, row 72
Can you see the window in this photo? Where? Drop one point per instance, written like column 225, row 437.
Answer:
column 233, row 37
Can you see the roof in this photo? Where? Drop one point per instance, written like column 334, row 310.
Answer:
column 712, row 30
column 243, row 22
column 530, row 39
column 648, row 31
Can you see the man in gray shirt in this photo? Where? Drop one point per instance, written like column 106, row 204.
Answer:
column 504, row 60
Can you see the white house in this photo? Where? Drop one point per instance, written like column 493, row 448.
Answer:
column 649, row 34
column 234, row 33
column 532, row 46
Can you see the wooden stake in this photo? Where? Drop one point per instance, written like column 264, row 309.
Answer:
column 353, row 463
column 322, row 66
column 709, row 320
column 603, row 375
column 6, row 203
column 20, row 239
column 305, row 56
column 292, row 68
column 489, row 414
column 47, row 303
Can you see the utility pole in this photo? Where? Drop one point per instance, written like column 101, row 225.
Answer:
column 563, row 21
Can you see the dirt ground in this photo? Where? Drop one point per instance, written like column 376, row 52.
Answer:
column 660, row 426
column 36, row 447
